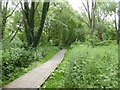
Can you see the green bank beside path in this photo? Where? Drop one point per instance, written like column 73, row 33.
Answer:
column 16, row 63
column 87, row 67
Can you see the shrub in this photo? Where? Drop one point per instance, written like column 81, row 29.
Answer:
column 17, row 59
column 14, row 59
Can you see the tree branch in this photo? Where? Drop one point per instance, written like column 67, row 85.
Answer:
column 84, row 21
column 88, row 12
column 85, row 7
column 12, row 11
column 115, row 21
column 22, row 6
column 15, row 33
column 42, row 21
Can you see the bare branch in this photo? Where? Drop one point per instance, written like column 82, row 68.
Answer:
column 85, row 7
column 12, row 11
column 84, row 21
column 10, row 34
column 14, row 35
column 21, row 6
column 16, row 32
column 88, row 10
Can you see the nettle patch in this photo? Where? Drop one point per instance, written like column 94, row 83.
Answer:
column 87, row 67
column 92, row 67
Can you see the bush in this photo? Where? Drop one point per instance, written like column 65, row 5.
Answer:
column 14, row 59
column 18, row 58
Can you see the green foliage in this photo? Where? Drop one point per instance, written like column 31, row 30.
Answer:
column 87, row 67
column 0, row 67
column 80, row 33
column 92, row 67
column 83, row 66
column 61, row 27
column 110, row 34
column 15, row 60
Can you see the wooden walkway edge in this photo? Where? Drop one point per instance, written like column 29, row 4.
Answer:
column 36, row 77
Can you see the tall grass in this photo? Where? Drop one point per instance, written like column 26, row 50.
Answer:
column 87, row 67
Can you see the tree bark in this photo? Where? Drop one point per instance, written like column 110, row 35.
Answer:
column 118, row 37
column 27, row 15
column 91, row 16
column 42, row 21
column 0, row 21
column 31, row 23
column 4, row 19
column 116, row 29
column 118, row 33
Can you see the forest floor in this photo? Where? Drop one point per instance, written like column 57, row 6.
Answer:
column 37, row 76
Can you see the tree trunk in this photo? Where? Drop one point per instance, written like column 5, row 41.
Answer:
column 100, row 37
column 91, row 17
column 42, row 21
column 93, row 20
column 118, row 44
column 31, row 23
column 118, row 41
column 4, row 18
column 0, row 21
column 28, row 22
column 29, row 15
column 118, row 31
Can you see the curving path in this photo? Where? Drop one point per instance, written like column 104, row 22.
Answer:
column 36, row 77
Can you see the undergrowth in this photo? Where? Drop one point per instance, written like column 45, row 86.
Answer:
column 17, row 61
column 87, row 67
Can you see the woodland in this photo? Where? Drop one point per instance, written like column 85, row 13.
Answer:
column 32, row 32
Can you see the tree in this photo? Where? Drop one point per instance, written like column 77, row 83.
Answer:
column 91, row 16
column 118, row 42
column 118, row 33
column 98, row 14
column 0, row 20
column 109, row 9
column 6, row 14
column 62, row 24
column 28, row 17
column 40, row 29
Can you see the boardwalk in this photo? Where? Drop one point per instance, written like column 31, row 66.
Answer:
column 36, row 77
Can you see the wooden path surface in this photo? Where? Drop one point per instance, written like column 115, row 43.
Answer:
column 36, row 77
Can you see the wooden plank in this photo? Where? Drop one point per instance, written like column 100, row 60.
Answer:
column 36, row 77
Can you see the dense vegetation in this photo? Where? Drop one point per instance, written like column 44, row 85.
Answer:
column 17, row 61
column 86, row 67
column 32, row 32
